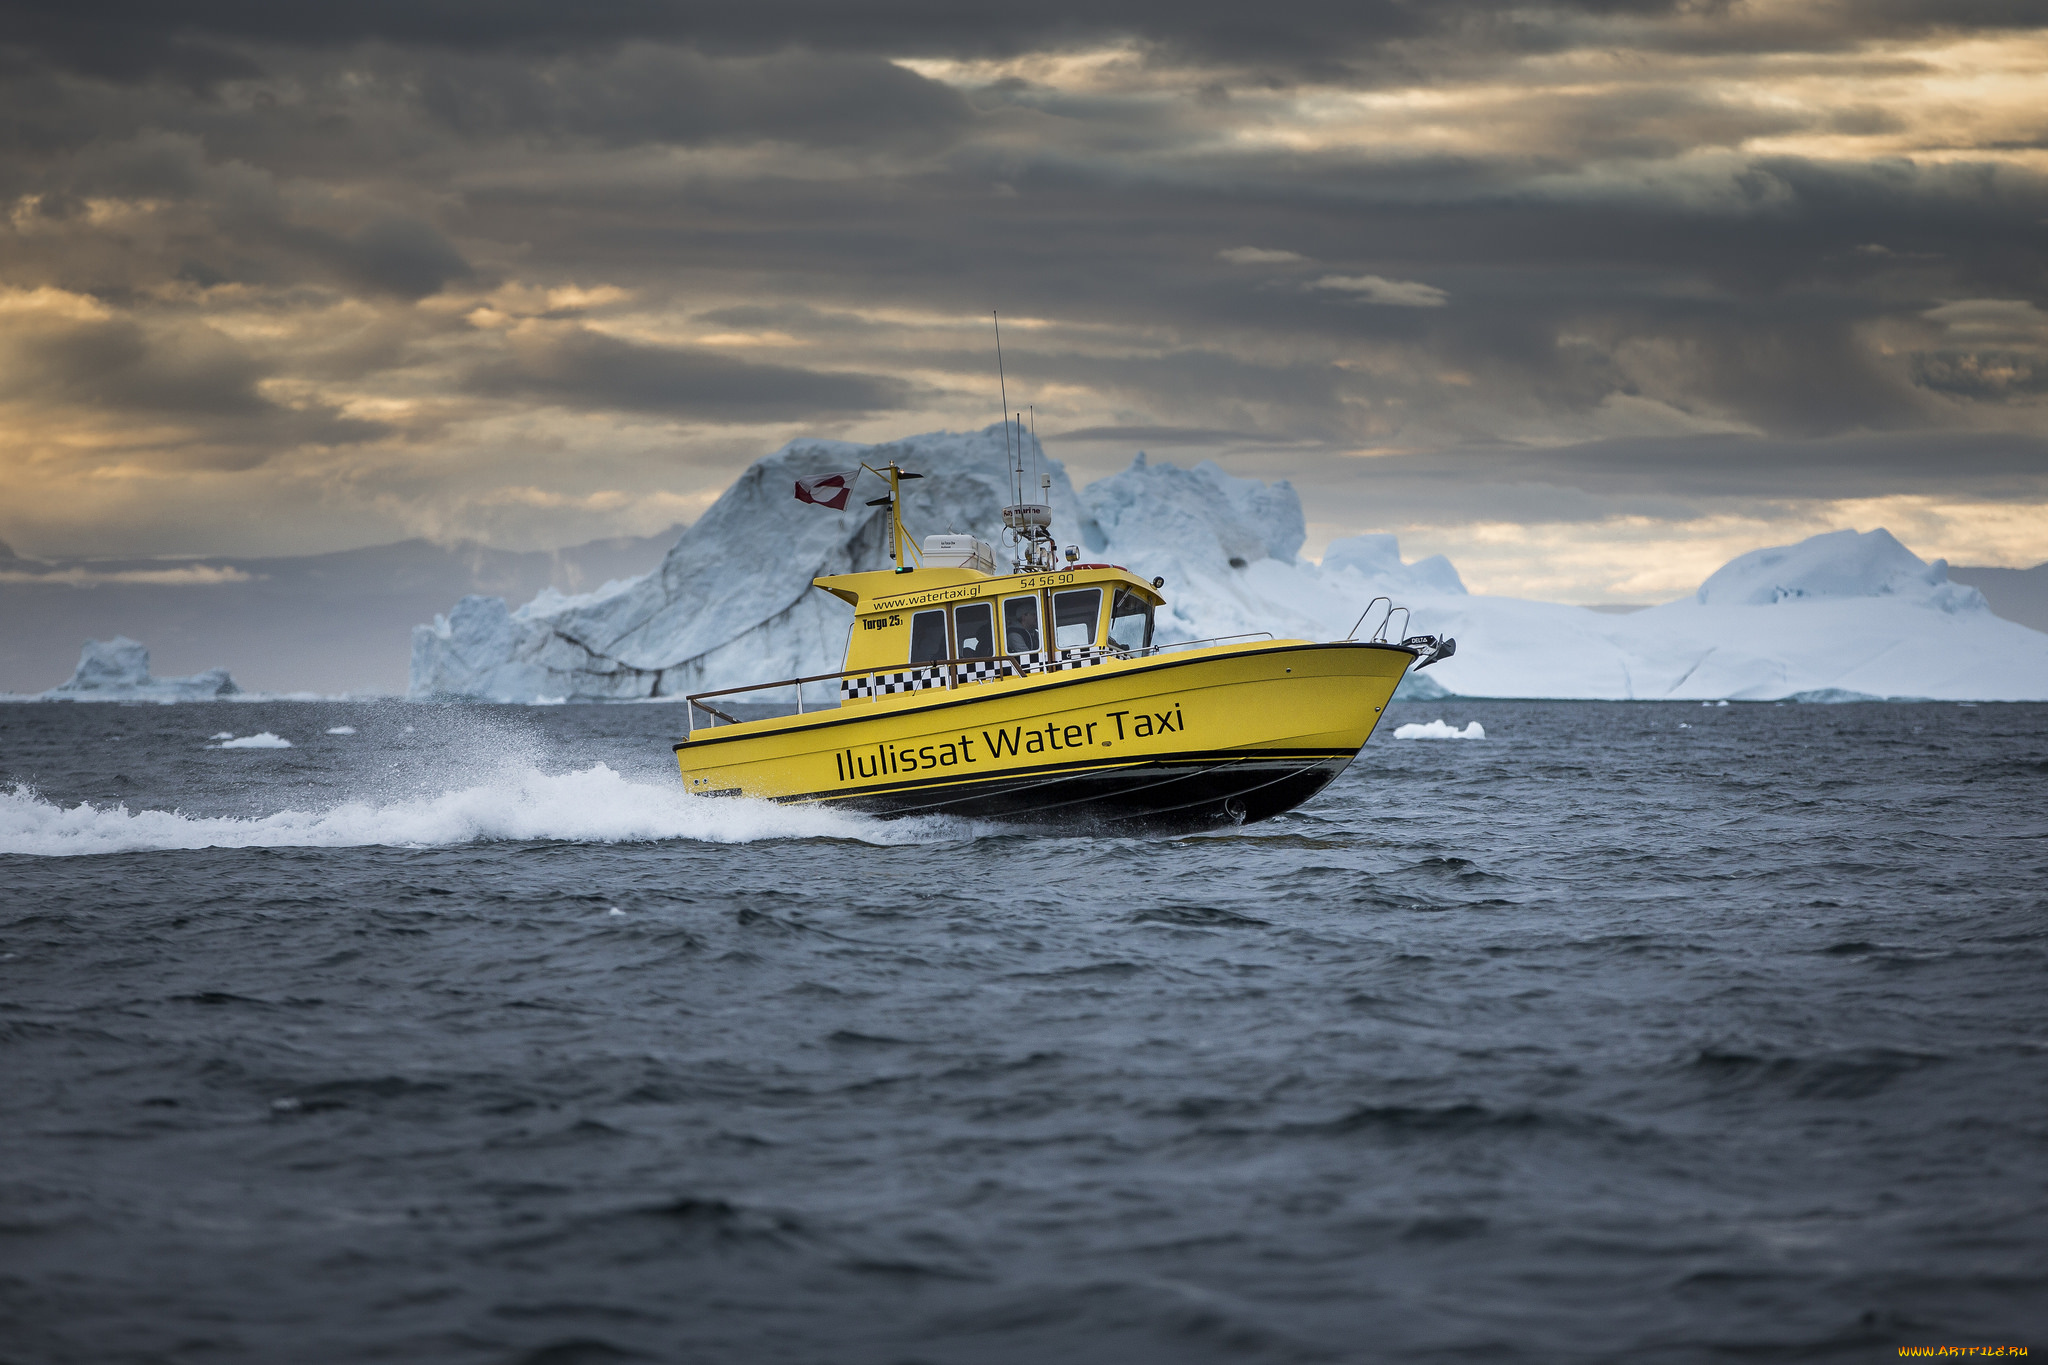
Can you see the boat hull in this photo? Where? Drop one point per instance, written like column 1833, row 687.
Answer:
column 1186, row 741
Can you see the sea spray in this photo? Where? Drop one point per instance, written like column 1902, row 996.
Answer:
column 592, row 805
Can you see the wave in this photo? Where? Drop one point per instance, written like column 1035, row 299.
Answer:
column 594, row 805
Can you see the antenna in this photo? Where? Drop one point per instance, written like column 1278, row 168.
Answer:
column 1037, row 451
column 1015, row 462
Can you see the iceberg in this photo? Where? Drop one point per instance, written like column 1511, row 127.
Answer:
column 262, row 739
column 1438, row 729
column 1837, row 564
column 732, row 602
column 1839, row 616
column 118, row 670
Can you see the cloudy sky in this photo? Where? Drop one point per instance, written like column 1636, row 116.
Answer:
column 1589, row 297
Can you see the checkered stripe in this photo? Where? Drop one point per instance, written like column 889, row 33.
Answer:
column 870, row 685
column 1082, row 656
column 984, row 670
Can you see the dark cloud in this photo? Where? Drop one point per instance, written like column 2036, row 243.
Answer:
column 1982, row 374
column 191, row 377
column 399, row 256
column 1300, row 34
column 645, row 94
column 114, row 365
column 577, row 368
column 1162, row 436
column 1744, row 467
column 797, row 319
column 1321, row 38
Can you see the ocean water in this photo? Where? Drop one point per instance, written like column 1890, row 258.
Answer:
column 1626, row 1032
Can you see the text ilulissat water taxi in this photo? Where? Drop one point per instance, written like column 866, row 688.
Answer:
column 1039, row 696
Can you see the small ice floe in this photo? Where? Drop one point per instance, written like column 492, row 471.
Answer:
column 263, row 739
column 225, row 734
column 1436, row 729
column 342, row 730
column 550, row 701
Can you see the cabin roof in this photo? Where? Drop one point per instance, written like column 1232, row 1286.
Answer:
column 887, row 590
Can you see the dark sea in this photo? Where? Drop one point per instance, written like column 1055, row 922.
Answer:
column 1628, row 1032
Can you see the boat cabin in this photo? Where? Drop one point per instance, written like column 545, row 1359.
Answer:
column 956, row 624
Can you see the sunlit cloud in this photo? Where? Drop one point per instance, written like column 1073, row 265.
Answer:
column 184, row 576
column 1252, row 255
column 1388, row 293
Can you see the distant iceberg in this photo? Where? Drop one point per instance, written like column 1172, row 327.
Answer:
column 1838, row 564
column 1836, row 617
column 118, row 670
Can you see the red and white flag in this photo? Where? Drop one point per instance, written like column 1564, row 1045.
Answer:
column 826, row 490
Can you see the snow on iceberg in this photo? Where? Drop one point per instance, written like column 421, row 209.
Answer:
column 1376, row 560
column 118, row 670
column 1835, row 565
column 1838, row 616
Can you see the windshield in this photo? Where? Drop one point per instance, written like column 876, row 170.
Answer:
column 1073, row 617
column 1130, row 622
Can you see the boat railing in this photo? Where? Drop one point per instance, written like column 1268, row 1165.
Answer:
column 1380, row 631
column 1190, row 644
column 1024, row 664
column 1021, row 662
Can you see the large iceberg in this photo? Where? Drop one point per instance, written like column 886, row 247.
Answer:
column 1838, row 616
column 118, row 670
column 733, row 603
column 1811, row 625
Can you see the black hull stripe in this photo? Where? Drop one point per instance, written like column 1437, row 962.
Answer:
column 1196, row 758
column 1186, row 799
column 1084, row 675
column 1067, row 794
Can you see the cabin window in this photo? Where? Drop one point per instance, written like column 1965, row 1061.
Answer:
column 1074, row 615
column 1020, row 625
column 928, row 637
column 974, row 626
column 1130, row 621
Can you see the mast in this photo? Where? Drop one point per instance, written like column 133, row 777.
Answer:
column 899, row 539
column 1027, row 524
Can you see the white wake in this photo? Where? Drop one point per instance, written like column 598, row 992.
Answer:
column 595, row 805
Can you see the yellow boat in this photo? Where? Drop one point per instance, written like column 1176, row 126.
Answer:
column 1078, row 719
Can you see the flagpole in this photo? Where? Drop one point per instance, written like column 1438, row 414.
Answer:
column 895, row 517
